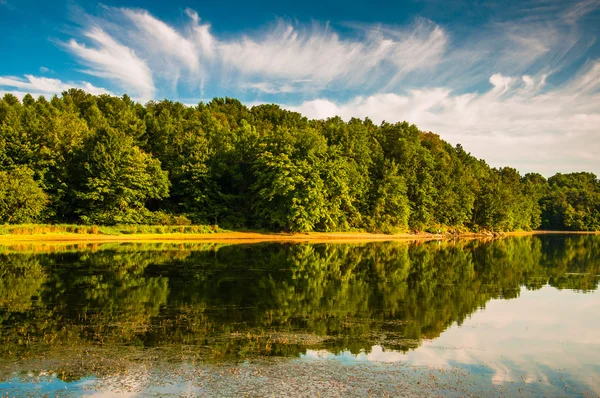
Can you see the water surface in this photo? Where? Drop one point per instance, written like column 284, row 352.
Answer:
column 517, row 316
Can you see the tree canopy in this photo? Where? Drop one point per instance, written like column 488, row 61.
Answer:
column 102, row 159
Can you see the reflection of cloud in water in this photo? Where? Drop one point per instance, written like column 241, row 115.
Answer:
column 542, row 335
column 180, row 380
column 377, row 354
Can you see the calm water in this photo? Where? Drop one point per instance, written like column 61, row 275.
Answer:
column 515, row 316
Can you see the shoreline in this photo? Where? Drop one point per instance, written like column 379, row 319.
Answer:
column 249, row 237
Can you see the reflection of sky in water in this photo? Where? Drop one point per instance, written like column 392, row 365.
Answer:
column 546, row 343
column 47, row 385
column 541, row 336
column 122, row 386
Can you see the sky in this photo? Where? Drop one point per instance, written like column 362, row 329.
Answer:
column 517, row 83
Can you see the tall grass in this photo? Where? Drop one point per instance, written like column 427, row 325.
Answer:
column 46, row 229
column 181, row 248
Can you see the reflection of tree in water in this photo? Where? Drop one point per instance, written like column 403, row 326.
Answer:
column 272, row 299
column 109, row 285
column 21, row 278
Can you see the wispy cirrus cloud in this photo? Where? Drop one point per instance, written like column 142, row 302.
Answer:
column 164, row 41
column 318, row 56
column 201, row 35
column 293, row 57
column 43, row 86
column 114, row 61
column 539, row 38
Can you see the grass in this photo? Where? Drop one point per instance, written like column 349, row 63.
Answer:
column 40, row 233
column 70, row 246
column 52, row 229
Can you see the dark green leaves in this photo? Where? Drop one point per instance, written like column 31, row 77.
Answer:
column 116, row 180
column 107, row 160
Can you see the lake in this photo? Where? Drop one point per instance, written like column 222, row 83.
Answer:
column 512, row 316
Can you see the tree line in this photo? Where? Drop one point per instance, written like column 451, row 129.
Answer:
column 105, row 160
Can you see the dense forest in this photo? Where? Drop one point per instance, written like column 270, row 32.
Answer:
column 105, row 160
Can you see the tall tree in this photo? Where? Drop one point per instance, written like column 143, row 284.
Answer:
column 116, row 180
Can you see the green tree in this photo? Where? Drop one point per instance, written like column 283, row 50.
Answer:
column 289, row 188
column 107, row 159
column 573, row 202
column 391, row 208
column 116, row 180
column 22, row 200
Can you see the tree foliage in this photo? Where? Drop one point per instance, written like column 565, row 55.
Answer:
column 116, row 180
column 104, row 159
column 22, row 200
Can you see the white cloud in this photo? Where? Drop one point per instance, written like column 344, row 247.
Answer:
column 587, row 82
column 543, row 43
column 513, row 123
column 520, row 340
column 201, row 35
column 370, row 58
column 580, row 9
column 320, row 56
column 284, row 54
column 501, row 83
column 46, row 86
column 114, row 61
column 162, row 41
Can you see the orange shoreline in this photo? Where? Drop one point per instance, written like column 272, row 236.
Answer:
column 249, row 237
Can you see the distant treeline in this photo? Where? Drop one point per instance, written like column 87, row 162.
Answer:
column 105, row 160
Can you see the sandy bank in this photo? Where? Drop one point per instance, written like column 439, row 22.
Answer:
column 247, row 237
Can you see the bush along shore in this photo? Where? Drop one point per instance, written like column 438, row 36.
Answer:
column 72, row 229
column 108, row 163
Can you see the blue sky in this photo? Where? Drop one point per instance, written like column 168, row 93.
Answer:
column 516, row 82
